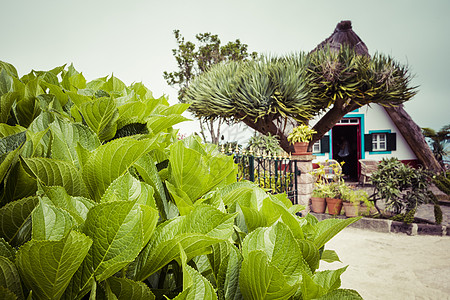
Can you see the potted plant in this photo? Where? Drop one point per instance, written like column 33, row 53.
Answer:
column 334, row 202
column 350, row 200
column 367, row 208
column 318, row 203
column 300, row 137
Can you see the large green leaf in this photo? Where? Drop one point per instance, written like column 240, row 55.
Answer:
column 140, row 89
column 147, row 170
column 10, row 148
column 157, row 124
column 6, row 130
column 111, row 160
column 329, row 279
column 77, row 81
column 6, row 103
column 176, row 109
column 124, row 288
column 77, row 207
column 9, row 277
column 226, row 261
column 134, row 112
column 114, row 84
column 267, row 282
column 321, row 283
column 101, row 115
column 256, row 207
column 203, row 227
column 34, row 133
column 128, row 188
column 15, row 220
column 37, row 145
column 66, row 136
column 341, row 294
column 50, row 222
column 8, row 67
column 327, row 229
column 119, row 229
column 310, row 253
column 229, row 194
column 200, row 288
column 19, row 183
column 47, row 267
column 281, row 248
column 6, row 250
column 11, row 143
column 56, row 172
column 6, row 82
column 330, row 256
column 195, row 171
column 274, row 209
column 58, row 92
column 27, row 109
column 181, row 199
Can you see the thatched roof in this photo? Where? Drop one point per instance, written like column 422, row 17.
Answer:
column 344, row 35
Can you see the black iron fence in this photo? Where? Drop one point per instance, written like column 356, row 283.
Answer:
column 276, row 174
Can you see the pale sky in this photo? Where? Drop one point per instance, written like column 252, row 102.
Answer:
column 133, row 38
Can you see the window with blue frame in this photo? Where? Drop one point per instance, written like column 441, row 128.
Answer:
column 322, row 146
column 380, row 141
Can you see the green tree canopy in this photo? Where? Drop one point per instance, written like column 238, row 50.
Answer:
column 270, row 93
column 194, row 58
column 438, row 141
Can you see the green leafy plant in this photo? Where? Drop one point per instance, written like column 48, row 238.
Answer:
column 348, row 194
column 403, row 188
column 319, row 190
column 442, row 182
column 301, row 133
column 261, row 144
column 87, row 214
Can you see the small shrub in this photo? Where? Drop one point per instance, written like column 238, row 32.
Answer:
column 402, row 188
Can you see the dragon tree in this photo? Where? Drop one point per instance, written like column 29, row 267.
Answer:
column 274, row 94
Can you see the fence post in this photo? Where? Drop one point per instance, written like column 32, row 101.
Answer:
column 305, row 182
column 251, row 168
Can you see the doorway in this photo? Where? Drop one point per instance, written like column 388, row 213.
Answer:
column 347, row 132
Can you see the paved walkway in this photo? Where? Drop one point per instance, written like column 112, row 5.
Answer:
column 388, row 264
column 392, row 266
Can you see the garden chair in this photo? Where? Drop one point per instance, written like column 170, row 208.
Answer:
column 367, row 168
column 332, row 168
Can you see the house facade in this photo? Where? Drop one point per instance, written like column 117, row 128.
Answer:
column 367, row 133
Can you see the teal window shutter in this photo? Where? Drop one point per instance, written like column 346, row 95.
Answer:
column 368, row 142
column 391, row 141
column 325, row 144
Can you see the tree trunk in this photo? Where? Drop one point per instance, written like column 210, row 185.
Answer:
column 330, row 119
column 267, row 126
column 414, row 137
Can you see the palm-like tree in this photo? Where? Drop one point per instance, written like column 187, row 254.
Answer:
column 439, row 142
column 275, row 93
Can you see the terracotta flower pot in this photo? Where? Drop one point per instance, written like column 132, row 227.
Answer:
column 318, row 205
column 351, row 210
column 301, row 148
column 366, row 211
column 334, row 206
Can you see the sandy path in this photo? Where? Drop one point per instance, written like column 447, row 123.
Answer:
column 393, row 266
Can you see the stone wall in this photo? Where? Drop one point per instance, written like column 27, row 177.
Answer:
column 305, row 182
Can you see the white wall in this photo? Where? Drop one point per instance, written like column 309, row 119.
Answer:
column 376, row 118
